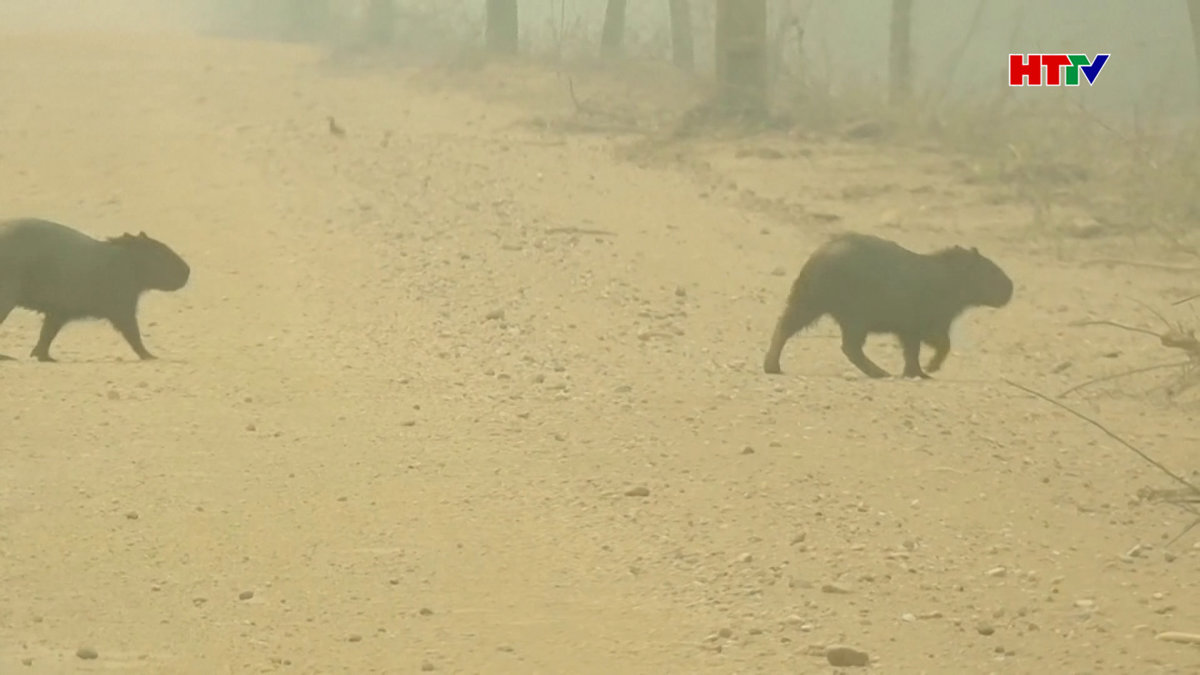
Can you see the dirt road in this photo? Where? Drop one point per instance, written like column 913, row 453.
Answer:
column 417, row 369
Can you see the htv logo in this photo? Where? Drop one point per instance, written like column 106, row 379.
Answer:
column 1060, row 69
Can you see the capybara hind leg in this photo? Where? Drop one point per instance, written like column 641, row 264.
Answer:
column 853, row 340
column 50, row 327
column 128, row 327
column 791, row 322
column 941, row 349
column 912, row 357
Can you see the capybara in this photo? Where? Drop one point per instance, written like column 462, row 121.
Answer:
column 66, row 275
column 872, row 285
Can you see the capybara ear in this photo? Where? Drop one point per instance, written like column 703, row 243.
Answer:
column 142, row 235
column 975, row 250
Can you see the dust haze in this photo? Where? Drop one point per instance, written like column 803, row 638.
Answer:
column 468, row 375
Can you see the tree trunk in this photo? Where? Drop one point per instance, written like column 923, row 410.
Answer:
column 1194, row 14
column 305, row 19
column 502, row 26
column 741, row 46
column 900, row 56
column 380, row 21
column 683, row 52
column 613, row 34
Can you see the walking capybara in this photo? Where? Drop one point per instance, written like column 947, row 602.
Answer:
column 66, row 275
column 872, row 285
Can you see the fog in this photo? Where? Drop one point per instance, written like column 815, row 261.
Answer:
column 481, row 362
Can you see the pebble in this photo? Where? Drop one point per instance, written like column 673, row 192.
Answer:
column 494, row 315
column 841, row 656
column 997, row 572
column 425, row 611
column 639, row 491
column 132, row 515
column 985, row 629
column 427, row 667
column 354, row 637
column 840, row 589
column 245, row 595
column 1175, row 636
column 87, row 653
column 725, row 633
column 745, row 558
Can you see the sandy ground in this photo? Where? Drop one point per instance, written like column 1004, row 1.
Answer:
column 400, row 404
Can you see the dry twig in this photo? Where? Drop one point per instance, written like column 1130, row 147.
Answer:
column 1181, row 498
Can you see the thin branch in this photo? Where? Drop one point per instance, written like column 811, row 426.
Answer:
column 1116, row 325
column 1187, row 299
column 1138, row 263
column 1110, row 434
column 1135, row 371
column 1155, row 313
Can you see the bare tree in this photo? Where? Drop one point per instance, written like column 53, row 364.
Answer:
column 380, row 20
column 502, row 26
column 1194, row 14
column 900, row 57
column 741, row 47
column 613, row 34
column 683, row 52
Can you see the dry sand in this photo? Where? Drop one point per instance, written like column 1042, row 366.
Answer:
column 399, row 405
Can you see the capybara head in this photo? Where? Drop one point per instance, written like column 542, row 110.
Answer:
column 980, row 281
column 158, row 267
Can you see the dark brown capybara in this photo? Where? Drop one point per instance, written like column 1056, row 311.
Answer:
column 66, row 275
column 872, row 285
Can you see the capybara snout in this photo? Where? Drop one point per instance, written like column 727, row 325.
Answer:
column 159, row 267
column 983, row 282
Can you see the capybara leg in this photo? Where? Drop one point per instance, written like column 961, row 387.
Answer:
column 853, row 340
column 7, row 302
column 128, row 327
column 912, row 356
column 941, row 349
column 50, row 327
column 791, row 322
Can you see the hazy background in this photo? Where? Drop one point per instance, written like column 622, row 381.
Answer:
column 1151, row 72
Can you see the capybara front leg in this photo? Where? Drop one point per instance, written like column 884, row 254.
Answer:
column 941, row 349
column 853, row 340
column 128, row 327
column 50, row 327
column 912, row 357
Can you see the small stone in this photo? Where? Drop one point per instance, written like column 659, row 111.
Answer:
column 87, row 653
column 794, row 619
column 427, row 667
column 745, row 558
column 998, row 572
column 840, row 589
column 131, row 515
column 494, row 315
column 985, row 629
column 1175, row 636
column 725, row 633
column 114, row 395
column 778, row 272
column 354, row 637
column 245, row 595
column 1085, row 603
column 251, row 427
column 27, row 661
column 841, row 656
column 908, row 616
column 747, row 450
column 680, row 292
column 425, row 611
column 639, row 491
